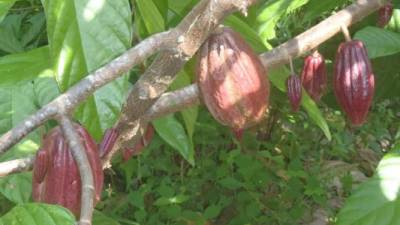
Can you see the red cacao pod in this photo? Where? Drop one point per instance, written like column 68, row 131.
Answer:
column 313, row 76
column 294, row 91
column 140, row 145
column 56, row 178
column 232, row 80
column 354, row 83
column 385, row 14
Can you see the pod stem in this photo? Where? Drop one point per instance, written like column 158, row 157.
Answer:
column 291, row 65
column 345, row 32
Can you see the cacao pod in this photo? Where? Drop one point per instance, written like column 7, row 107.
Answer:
column 232, row 80
column 385, row 14
column 294, row 91
column 354, row 83
column 56, row 178
column 313, row 76
column 109, row 139
column 140, row 145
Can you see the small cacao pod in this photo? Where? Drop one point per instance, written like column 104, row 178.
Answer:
column 313, row 76
column 354, row 83
column 232, row 80
column 56, row 178
column 109, row 139
column 140, row 145
column 294, row 91
column 385, row 14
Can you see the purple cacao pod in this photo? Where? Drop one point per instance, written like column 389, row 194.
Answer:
column 313, row 76
column 56, row 178
column 354, row 83
column 140, row 145
column 109, row 139
column 385, row 14
column 294, row 91
column 232, row 80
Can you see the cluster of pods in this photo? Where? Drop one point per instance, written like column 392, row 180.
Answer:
column 353, row 78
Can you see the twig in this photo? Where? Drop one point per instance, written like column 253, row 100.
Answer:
column 16, row 166
column 85, row 171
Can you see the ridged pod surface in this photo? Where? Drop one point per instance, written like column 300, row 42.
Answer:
column 232, row 80
column 354, row 82
column 313, row 76
column 56, row 178
column 294, row 91
column 385, row 14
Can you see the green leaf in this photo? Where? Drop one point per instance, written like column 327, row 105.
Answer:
column 189, row 114
column 24, row 66
column 83, row 36
column 315, row 9
column 278, row 78
column 17, row 187
column 38, row 214
column 101, row 219
column 247, row 32
column 152, row 18
column 379, row 42
column 172, row 132
column 270, row 14
column 212, row 211
column 394, row 23
column 377, row 200
column 230, row 183
column 5, row 5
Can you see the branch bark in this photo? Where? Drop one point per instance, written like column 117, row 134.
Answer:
column 85, row 171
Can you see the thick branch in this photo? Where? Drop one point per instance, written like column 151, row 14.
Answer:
column 85, row 171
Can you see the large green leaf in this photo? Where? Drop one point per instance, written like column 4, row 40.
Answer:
column 17, row 187
column 270, row 14
column 84, row 35
column 278, row 78
column 151, row 16
column 174, row 134
column 247, row 32
column 24, row 66
column 5, row 5
column 379, row 42
column 377, row 200
column 21, row 32
column 38, row 214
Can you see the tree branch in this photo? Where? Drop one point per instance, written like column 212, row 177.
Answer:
column 85, row 171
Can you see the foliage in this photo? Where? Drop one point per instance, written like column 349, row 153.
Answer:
column 195, row 171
